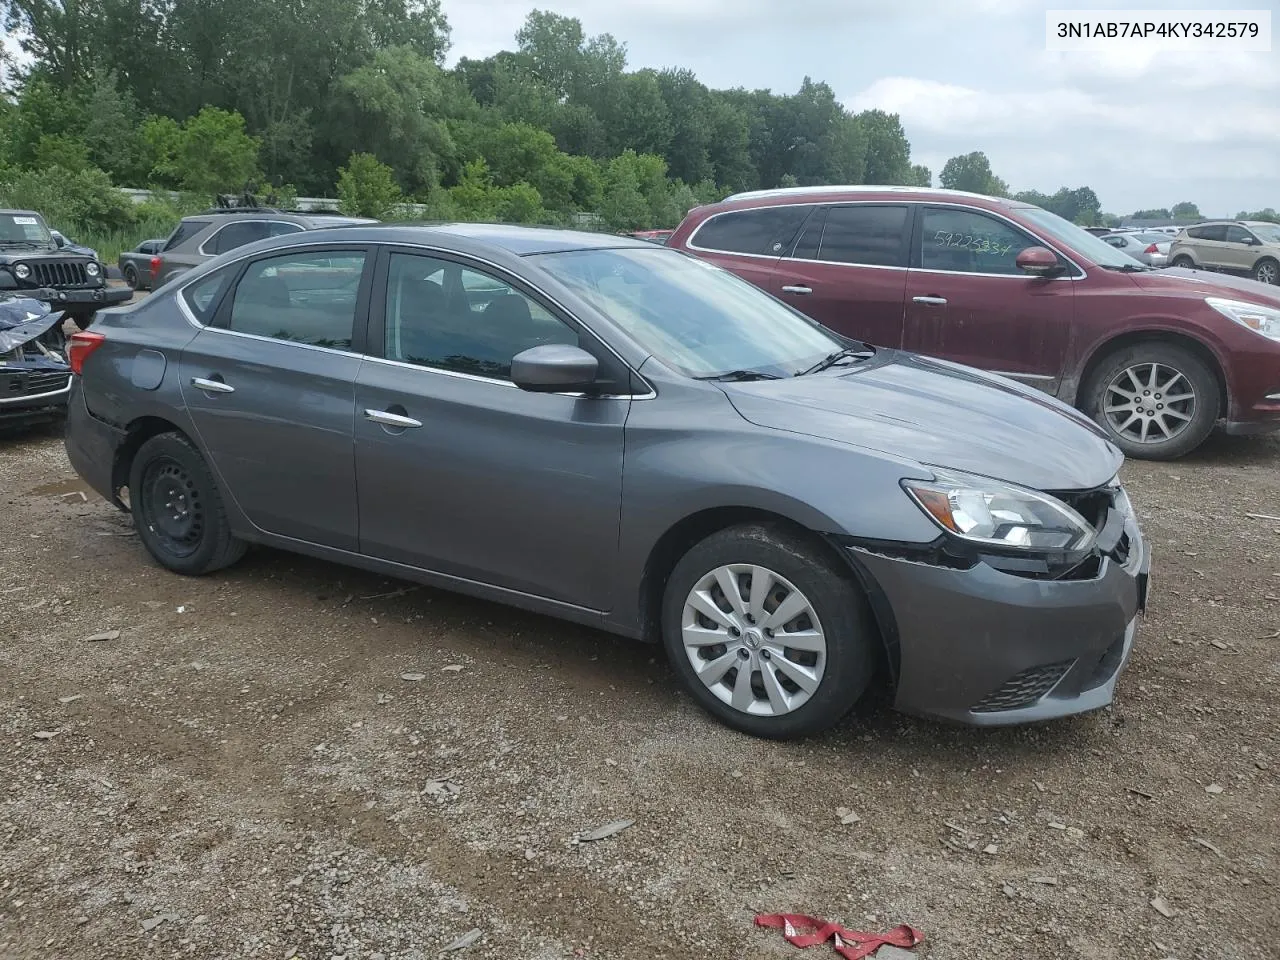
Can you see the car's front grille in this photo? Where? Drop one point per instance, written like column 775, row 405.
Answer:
column 58, row 273
column 1023, row 689
column 15, row 384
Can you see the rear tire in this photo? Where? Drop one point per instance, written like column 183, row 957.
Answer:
column 177, row 509
column 131, row 276
column 1267, row 271
column 1184, row 261
column 778, row 679
column 1155, row 400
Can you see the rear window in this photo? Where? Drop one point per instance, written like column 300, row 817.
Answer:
column 764, row 232
column 186, row 230
column 873, row 235
column 202, row 296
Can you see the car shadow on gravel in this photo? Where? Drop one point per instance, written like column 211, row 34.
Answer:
column 1221, row 450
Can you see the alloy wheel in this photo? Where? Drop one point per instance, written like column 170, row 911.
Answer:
column 1266, row 273
column 754, row 640
column 1149, row 403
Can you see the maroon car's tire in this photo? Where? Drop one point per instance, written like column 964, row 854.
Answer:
column 758, row 673
column 177, row 509
column 1267, row 270
column 1147, row 381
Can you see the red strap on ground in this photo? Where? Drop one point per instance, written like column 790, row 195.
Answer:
column 850, row 944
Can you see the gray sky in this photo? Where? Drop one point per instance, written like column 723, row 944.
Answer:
column 1143, row 128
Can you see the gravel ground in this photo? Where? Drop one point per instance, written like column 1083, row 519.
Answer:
column 244, row 771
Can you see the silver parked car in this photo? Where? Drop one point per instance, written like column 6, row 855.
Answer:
column 609, row 431
column 1146, row 247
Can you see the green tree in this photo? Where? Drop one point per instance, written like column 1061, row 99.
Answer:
column 971, row 172
column 475, row 197
column 1267, row 213
column 888, row 152
column 213, row 154
column 1156, row 213
column 1186, row 210
column 520, row 203
column 921, row 176
column 367, row 187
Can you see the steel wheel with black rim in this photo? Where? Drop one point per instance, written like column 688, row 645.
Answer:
column 131, row 275
column 1267, row 271
column 767, row 632
column 177, row 509
column 1157, row 401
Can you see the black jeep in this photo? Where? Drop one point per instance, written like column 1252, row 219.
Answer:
column 31, row 260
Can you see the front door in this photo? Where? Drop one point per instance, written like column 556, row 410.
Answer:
column 848, row 271
column 270, row 387
column 460, row 471
column 1240, row 249
column 967, row 300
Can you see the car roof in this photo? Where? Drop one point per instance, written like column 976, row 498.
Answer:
column 861, row 190
column 519, row 240
column 228, row 215
column 20, row 213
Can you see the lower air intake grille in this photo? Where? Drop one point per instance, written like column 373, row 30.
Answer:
column 1024, row 689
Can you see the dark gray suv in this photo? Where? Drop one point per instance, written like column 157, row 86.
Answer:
column 615, row 433
column 201, row 237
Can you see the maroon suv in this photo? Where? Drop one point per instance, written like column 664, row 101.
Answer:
column 1158, row 357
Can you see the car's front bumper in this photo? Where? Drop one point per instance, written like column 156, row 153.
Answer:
column 32, row 393
column 988, row 648
column 77, row 299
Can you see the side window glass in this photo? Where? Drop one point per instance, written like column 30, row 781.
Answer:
column 1216, row 232
column 302, row 297
column 870, row 235
column 964, row 241
column 765, row 231
column 442, row 314
column 1117, row 242
column 202, row 296
column 810, row 237
column 237, row 235
column 1238, row 235
column 185, row 231
column 280, row 228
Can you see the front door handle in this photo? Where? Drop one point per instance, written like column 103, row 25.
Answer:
column 930, row 301
column 212, row 386
column 796, row 289
column 391, row 419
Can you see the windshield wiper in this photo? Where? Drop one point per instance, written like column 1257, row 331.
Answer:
column 740, row 375
column 831, row 359
column 20, row 243
column 1127, row 268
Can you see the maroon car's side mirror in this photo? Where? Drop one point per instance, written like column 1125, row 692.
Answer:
column 1039, row 262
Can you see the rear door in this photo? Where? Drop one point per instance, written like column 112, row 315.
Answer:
column 849, row 270
column 750, row 242
column 1209, row 243
column 270, row 386
column 967, row 300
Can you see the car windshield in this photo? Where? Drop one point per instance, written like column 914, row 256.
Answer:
column 1079, row 239
column 1152, row 237
column 24, row 228
column 1267, row 233
column 693, row 316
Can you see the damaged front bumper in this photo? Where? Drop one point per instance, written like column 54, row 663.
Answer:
column 986, row 647
column 34, row 376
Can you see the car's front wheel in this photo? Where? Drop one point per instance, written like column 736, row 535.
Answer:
column 767, row 633
column 1156, row 400
column 1266, row 271
column 177, row 509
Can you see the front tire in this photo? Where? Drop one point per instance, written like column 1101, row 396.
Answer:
column 766, row 633
column 1267, row 271
column 1155, row 400
column 177, row 509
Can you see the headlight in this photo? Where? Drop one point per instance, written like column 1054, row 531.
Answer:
column 1263, row 320
column 22, row 271
column 91, row 269
column 999, row 514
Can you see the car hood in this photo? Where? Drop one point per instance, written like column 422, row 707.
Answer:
column 938, row 414
column 1177, row 281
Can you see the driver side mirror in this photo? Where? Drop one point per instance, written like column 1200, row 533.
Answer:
column 554, row 368
column 59, row 241
column 1039, row 262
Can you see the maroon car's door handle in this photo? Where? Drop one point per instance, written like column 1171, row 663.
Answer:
column 796, row 289
column 930, row 301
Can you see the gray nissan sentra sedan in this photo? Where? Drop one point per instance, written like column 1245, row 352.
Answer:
column 614, row 433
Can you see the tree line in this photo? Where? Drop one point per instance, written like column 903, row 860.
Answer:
column 352, row 97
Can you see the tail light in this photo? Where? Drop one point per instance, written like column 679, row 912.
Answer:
column 155, row 266
column 1151, row 249
column 81, row 344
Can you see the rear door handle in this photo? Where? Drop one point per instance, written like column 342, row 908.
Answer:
column 930, row 301
column 212, row 386
column 794, row 288
column 391, row 419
